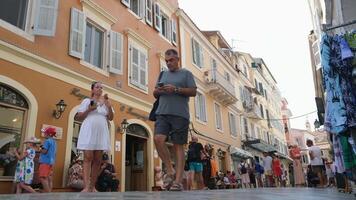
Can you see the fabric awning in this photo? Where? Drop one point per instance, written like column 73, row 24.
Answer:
column 234, row 151
column 283, row 156
column 260, row 145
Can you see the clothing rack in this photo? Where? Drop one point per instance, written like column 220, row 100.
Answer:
column 341, row 25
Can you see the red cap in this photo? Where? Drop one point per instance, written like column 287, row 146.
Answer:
column 50, row 131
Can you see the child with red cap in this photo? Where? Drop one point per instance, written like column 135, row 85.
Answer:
column 47, row 159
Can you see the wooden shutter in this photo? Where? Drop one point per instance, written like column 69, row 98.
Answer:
column 197, row 106
column 194, row 51
column 142, row 8
column 174, row 32
column 116, row 53
column 143, row 70
column 149, row 13
column 77, row 33
column 45, row 17
column 203, row 108
column 157, row 14
column 134, row 61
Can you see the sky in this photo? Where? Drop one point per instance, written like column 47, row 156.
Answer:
column 275, row 30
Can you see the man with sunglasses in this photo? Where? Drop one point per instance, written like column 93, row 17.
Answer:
column 174, row 89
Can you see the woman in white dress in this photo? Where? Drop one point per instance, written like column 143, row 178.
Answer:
column 94, row 133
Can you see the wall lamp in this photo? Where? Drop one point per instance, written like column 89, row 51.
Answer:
column 316, row 124
column 60, row 107
column 123, row 126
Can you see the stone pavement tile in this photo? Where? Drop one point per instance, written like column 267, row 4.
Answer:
column 233, row 194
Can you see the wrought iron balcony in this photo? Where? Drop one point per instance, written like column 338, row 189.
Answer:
column 220, row 88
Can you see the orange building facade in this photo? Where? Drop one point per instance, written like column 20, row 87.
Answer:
column 53, row 50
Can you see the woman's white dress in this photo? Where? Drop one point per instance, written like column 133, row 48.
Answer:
column 94, row 132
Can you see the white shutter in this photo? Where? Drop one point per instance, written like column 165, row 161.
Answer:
column 203, row 108
column 157, row 14
column 77, row 33
column 174, row 32
column 197, row 106
column 45, row 17
column 194, row 51
column 169, row 29
column 143, row 70
column 126, row 3
column 142, row 8
column 134, row 61
column 149, row 13
column 201, row 56
column 116, row 53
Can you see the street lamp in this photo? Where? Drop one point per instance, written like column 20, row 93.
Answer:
column 123, row 126
column 60, row 107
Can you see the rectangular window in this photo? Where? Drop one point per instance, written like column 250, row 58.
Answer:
column 200, row 109
column 93, row 52
column 232, row 124
column 197, row 52
column 166, row 30
column 253, row 131
column 138, row 66
column 157, row 17
column 227, row 76
column 218, row 118
column 14, row 12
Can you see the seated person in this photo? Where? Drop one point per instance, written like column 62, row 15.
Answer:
column 75, row 174
column 107, row 181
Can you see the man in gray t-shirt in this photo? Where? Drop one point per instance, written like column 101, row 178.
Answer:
column 172, row 116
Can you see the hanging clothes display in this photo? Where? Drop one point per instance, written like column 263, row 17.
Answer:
column 338, row 60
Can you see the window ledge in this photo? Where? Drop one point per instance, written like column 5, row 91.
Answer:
column 220, row 130
column 137, row 88
column 95, row 68
column 164, row 38
column 200, row 122
column 196, row 66
column 17, row 30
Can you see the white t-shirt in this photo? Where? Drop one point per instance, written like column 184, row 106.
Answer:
column 267, row 163
column 317, row 156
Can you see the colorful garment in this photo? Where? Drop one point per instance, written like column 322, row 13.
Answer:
column 335, row 111
column 25, row 168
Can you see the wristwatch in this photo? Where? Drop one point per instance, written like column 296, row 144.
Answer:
column 176, row 90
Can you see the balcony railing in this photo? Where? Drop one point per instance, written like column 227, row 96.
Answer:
column 220, row 88
column 251, row 109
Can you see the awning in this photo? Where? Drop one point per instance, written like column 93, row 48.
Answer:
column 260, row 145
column 283, row 156
column 237, row 152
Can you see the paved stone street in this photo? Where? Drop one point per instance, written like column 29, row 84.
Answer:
column 253, row 194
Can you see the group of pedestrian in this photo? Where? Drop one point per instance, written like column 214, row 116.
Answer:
column 25, row 167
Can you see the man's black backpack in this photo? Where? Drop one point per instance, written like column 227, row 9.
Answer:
column 243, row 169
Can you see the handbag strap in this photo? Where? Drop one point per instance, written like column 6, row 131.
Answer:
column 160, row 76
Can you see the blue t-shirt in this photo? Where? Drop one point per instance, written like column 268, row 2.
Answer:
column 51, row 147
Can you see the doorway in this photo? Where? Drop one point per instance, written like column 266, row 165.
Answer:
column 136, row 159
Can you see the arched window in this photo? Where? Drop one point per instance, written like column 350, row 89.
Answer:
column 13, row 110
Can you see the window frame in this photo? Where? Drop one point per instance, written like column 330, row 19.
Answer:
column 232, row 117
column 103, row 40
column 197, row 46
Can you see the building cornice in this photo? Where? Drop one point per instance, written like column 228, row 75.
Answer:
column 99, row 11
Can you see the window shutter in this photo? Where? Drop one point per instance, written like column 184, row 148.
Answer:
column 77, row 33
column 194, row 52
column 203, row 109
column 157, row 14
column 174, row 32
column 45, row 17
column 201, row 56
column 116, row 53
column 143, row 71
column 134, row 60
column 197, row 106
column 142, row 8
column 149, row 12
column 126, row 3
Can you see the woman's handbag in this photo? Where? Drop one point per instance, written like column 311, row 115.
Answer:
column 152, row 116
